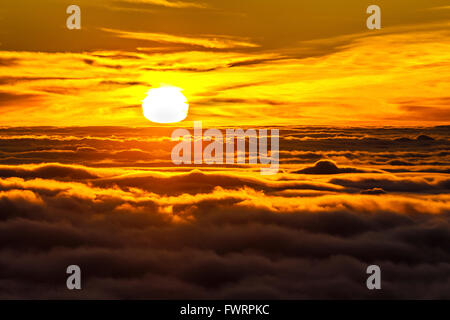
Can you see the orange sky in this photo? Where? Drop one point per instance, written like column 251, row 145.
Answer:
column 257, row 62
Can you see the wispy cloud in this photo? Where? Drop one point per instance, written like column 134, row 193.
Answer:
column 440, row 8
column 169, row 4
column 212, row 42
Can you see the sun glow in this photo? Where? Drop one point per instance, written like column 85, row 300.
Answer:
column 165, row 105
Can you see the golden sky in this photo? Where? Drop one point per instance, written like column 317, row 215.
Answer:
column 238, row 62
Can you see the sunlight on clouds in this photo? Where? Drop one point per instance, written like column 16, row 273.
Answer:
column 170, row 4
column 85, row 177
column 216, row 42
column 386, row 79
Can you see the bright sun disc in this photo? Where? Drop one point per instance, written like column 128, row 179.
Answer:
column 165, row 105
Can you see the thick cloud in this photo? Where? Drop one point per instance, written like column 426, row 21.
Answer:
column 329, row 167
column 373, row 191
column 225, row 243
column 424, row 184
column 168, row 232
column 47, row 171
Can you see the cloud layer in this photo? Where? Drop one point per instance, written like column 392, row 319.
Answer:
column 154, row 232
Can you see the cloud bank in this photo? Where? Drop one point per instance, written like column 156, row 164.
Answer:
column 185, row 233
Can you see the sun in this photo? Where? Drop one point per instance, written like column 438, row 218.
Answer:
column 165, row 105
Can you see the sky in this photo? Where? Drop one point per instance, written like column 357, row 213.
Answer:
column 238, row 62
